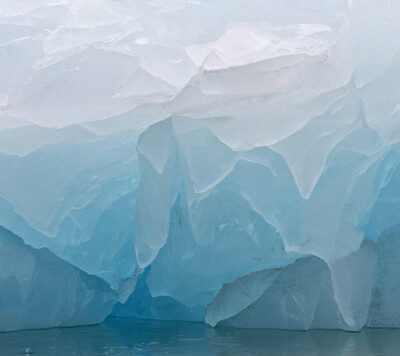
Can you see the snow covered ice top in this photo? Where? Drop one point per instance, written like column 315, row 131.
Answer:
column 205, row 158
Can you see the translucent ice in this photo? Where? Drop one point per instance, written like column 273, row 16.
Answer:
column 39, row 290
column 234, row 162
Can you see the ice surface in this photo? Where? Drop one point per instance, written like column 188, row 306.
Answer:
column 232, row 162
column 40, row 290
column 308, row 294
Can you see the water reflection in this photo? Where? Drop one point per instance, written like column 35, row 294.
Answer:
column 125, row 336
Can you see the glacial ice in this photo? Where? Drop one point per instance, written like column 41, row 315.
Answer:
column 233, row 162
column 40, row 290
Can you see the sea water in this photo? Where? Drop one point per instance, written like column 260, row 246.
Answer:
column 128, row 336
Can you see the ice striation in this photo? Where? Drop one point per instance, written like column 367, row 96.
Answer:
column 231, row 162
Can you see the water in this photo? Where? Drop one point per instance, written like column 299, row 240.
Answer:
column 126, row 336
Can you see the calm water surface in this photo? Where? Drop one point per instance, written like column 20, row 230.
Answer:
column 126, row 336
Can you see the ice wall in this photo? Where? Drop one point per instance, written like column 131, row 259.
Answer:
column 234, row 162
column 250, row 218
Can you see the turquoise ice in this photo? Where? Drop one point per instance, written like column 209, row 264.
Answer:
column 231, row 162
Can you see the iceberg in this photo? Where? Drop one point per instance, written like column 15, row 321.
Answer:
column 229, row 162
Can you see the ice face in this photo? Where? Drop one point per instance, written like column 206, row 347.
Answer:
column 307, row 294
column 251, row 216
column 239, row 166
column 384, row 302
column 40, row 290
column 75, row 208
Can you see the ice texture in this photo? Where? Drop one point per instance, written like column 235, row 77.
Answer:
column 40, row 290
column 234, row 162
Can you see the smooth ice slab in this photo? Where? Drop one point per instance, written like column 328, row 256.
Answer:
column 40, row 290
